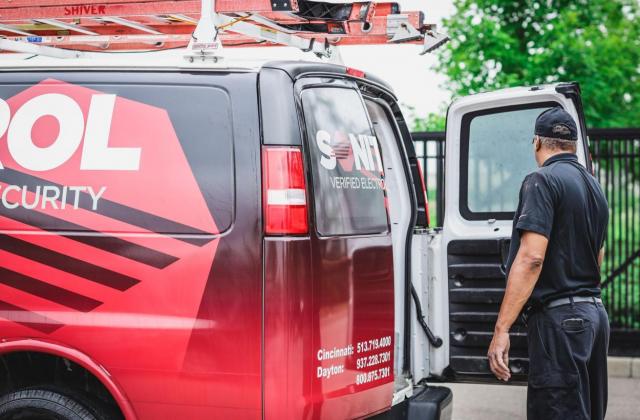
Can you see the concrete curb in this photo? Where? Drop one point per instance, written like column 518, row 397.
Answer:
column 624, row 367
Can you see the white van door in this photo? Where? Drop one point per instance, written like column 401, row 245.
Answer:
column 489, row 151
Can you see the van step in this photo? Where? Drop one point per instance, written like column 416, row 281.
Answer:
column 427, row 402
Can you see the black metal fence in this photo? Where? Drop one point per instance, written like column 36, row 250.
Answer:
column 616, row 157
column 431, row 151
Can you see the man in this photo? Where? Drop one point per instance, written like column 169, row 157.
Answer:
column 554, row 269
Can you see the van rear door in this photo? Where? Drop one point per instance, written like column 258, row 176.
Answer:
column 488, row 154
column 329, row 292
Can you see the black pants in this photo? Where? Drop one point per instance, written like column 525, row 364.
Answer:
column 568, row 363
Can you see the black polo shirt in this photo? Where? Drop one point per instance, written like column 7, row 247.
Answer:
column 564, row 202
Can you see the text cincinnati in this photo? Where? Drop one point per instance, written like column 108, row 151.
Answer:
column 335, row 352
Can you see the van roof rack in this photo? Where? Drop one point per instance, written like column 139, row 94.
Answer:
column 70, row 28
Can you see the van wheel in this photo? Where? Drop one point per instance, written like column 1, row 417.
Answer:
column 41, row 404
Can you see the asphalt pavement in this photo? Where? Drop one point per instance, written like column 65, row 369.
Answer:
column 505, row 402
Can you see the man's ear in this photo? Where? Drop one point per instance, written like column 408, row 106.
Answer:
column 538, row 144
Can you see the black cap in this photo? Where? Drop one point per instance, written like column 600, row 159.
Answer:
column 556, row 123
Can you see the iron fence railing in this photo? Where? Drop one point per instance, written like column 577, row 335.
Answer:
column 616, row 157
column 430, row 152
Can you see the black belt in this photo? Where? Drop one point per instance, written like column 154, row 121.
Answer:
column 569, row 300
column 530, row 310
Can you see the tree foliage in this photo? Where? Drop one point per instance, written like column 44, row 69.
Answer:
column 503, row 43
column 433, row 122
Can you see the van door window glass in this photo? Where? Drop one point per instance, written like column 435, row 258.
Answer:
column 497, row 153
column 346, row 164
column 126, row 158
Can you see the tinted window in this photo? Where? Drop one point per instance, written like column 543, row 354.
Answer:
column 117, row 158
column 497, row 153
column 346, row 163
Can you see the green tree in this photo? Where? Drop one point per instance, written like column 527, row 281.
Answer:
column 503, row 43
column 435, row 121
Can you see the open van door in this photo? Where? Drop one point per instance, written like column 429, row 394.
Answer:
column 488, row 153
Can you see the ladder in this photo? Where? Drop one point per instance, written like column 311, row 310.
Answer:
column 70, row 28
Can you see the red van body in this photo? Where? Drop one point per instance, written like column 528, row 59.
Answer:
column 134, row 264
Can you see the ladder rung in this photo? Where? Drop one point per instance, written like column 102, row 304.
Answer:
column 129, row 24
column 67, row 26
column 14, row 30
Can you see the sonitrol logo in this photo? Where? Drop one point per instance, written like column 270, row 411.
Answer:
column 365, row 151
column 72, row 128
column 352, row 161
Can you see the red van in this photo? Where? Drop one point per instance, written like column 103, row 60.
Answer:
column 238, row 243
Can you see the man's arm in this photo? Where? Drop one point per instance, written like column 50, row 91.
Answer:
column 601, row 257
column 523, row 276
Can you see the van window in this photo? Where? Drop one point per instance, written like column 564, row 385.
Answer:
column 126, row 158
column 496, row 155
column 346, row 163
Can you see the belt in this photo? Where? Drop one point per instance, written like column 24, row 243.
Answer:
column 530, row 310
column 573, row 299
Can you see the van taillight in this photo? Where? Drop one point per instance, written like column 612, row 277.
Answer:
column 424, row 192
column 284, row 192
column 356, row 73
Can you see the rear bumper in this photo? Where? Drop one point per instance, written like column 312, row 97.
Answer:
column 427, row 403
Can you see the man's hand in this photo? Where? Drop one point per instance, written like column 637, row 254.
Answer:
column 499, row 355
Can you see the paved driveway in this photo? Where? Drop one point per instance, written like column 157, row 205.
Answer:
column 501, row 402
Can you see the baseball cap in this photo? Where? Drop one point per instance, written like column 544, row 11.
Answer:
column 556, row 123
